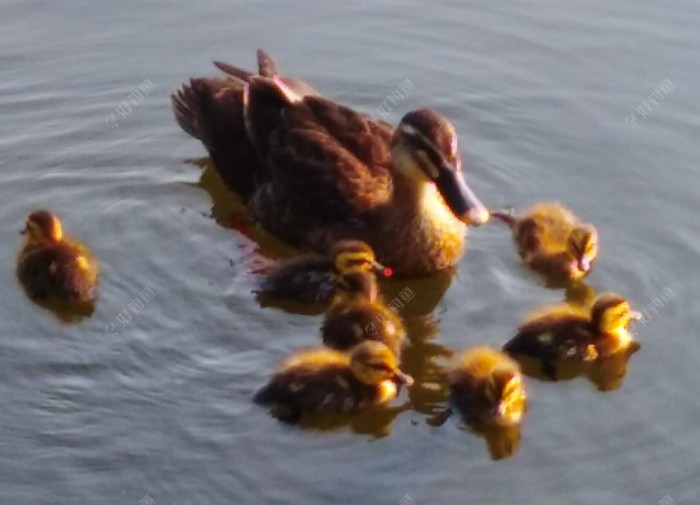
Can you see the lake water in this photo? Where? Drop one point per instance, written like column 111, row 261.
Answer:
column 157, row 408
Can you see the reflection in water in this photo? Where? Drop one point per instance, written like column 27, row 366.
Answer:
column 501, row 441
column 375, row 421
column 424, row 360
column 67, row 312
column 609, row 374
column 580, row 294
column 230, row 212
column 605, row 374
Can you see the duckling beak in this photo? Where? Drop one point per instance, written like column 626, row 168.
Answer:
column 402, row 378
column 584, row 264
column 635, row 315
column 381, row 270
column 24, row 230
column 459, row 197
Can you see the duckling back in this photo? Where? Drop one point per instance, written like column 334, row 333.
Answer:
column 316, row 380
column 307, row 279
column 485, row 387
column 62, row 271
column 345, row 326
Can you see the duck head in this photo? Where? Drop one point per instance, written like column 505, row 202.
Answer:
column 582, row 246
column 355, row 255
column 611, row 315
column 425, row 148
column 374, row 364
column 42, row 226
column 505, row 393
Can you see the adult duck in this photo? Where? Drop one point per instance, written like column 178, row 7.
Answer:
column 313, row 171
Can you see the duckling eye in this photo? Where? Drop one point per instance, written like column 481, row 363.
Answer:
column 383, row 367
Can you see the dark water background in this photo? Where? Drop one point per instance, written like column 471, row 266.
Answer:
column 541, row 92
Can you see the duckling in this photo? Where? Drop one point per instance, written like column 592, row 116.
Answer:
column 52, row 266
column 312, row 278
column 357, row 314
column 326, row 380
column 556, row 335
column 486, row 388
column 552, row 241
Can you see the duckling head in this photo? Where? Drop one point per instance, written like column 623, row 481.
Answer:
column 424, row 149
column 43, row 226
column 355, row 255
column 374, row 364
column 611, row 314
column 506, row 393
column 582, row 245
column 357, row 285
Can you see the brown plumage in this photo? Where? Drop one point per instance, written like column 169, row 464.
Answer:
column 486, row 388
column 357, row 314
column 311, row 278
column 326, row 380
column 313, row 171
column 553, row 242
column 556, row 335
column 51, row 266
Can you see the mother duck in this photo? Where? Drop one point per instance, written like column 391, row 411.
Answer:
column 313, row 171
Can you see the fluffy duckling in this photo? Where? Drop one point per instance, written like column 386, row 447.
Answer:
column 556, row 335
column 358, row 314
column 52, row 266
column 312, row 278
column 552, row 241
column 486, row 388
column 326, row 380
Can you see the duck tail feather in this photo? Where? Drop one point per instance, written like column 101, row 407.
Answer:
column 211, row 110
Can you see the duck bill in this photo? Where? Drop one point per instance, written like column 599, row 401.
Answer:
column 381, row 270
column 460, row 198
column 635, row 315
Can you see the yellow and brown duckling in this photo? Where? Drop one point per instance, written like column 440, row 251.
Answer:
column 358, row 314
column 312, row 278
column 52, row 266
column 313, row 171
column 486, row 388
column 559, row 335
column 553, row 242
column 326, row 380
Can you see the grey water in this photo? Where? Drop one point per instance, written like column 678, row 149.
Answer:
column 592, row 103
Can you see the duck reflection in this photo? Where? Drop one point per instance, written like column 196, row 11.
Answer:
column 70, row 313
column 580, row 294
column 605, row 374
column 375, row 422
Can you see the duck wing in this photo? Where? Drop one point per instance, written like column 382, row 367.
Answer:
column 327, row 154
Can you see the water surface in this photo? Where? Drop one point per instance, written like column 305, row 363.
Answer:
column 541, row 93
